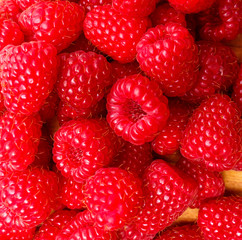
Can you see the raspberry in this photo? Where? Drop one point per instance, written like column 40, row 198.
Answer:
column 114, row 197
column 135, row 8
column 237, row 90
column 211, row 137
column 168, row 140
column 26, row 88
column 218, row 70
column 10, row 33
column 210, row 184
column 238, row 166
column 83, row 79
column 164, row 13
column 27, row 198
column 24, row 4
column 57, row 22
column 82, row 147
column 168, row 54
column 114, row 34
column 221, row 218
column 9, row 10
column 137, row 109
column 90, row 4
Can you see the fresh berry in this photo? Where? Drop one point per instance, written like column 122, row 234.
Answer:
column 26, row 88
column 9, row 10
column 90, row 4
column 168, row 140
column 82, row 147
column 137, row 109
column 83, row 78
column 211, row 137
column 238, row 166
column 237, row 90
column 24, row 4
column 221, row 218
column 210, row 184
column 114, row 197
column 113, row 33
column 168, row 54
column 57, row 22
column 27, row 198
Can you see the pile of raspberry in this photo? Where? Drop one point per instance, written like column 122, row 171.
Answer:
column 116, row 116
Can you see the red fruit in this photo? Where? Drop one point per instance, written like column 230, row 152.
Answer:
column 164, row 13
column 57, row 22
column 237, row 90
column 83, row 78
column 168, row 54
column 9, row 10
column 168, row 140
column 27, row 198
column 211, row 137
column 218, row 70
column 90, row 4
column 113, row 33
column 114, row 197
column 82, row 147
column 210, row 184
column 238, row 166
column 24, row 4
column 135, row 8
column 221, row 218
column 137, row 109
column 26, row 88
column 54, row 224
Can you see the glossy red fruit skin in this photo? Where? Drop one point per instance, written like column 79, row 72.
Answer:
column 83, row 78
column 9, row 10
column 218, row 70
column 20, row 137
column 31, row 193
column 210, row 184
column 26, row 88
column 57, row 22
column 137, row 109
column 24, row 4
column 168, row 54
column 54, row 224
column 237, row 90
column 90, row 4
column 82, row 147
column 110, row 32
column 221, row 218
column 211, row 137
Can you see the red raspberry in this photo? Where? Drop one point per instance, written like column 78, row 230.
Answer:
column 135, row 8
column 54, row 224
column 19, row 142
column 10, row 33
column 237, row 90
column 164, row 13
column 210, row 184
column 27, row 198
column 57, row 22
column 114, row 197
column 191, row 6
column 168, row 140
column 238, row 165
column 82, row 147
column 211, row 137
column 218, row 70
column 137, row 109
column 83, row 79
column 26, row 88
column 169, row 55
column 221, row 218
column 24, row 4
column 114, row 34
column 90, row 4
column 9, row 10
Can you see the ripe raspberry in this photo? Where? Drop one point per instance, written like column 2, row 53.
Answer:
column 114, row 34
column 114, row 197
column 211, row 137
column 221, row 218
column 82, row 147
column 169, row 55
column 57, row 22
column 191, row 6
column 168, row 140
column 83, row 79
column 90, row 4
column 26, row 88
column 9, row 10
column 24, row 4
column 218, row 70
column 54, row 224
column 237, row 90
column 135, row 8
column 238, row 165
column 137, row 109
column 210, row 184
column 164, row 13
column 27, row 198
